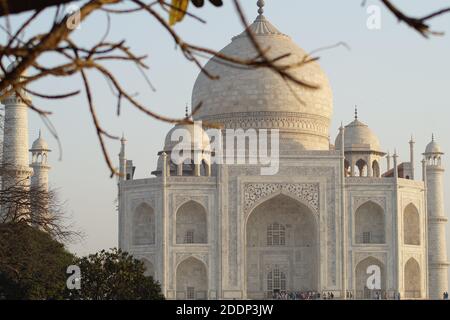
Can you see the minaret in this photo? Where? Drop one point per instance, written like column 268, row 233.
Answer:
column 39, row 163
column 411, row 156
column 15, row 160
column 437, row 247
column 122, row 160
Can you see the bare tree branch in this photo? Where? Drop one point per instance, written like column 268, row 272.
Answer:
column 76, row 59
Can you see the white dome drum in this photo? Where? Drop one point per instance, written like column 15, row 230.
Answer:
column 359, row 137
column 246, row 98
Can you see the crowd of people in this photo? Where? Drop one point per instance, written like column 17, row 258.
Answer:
column 302, row 295
column 313, row 295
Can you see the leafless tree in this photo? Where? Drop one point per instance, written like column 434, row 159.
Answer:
column 37, row 207
column 34, row 205
column 77, row 60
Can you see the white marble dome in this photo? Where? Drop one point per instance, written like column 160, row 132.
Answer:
column 433, row 147
column 40, row 144
column 260, row 98
column 199, row 139
column 358, row 137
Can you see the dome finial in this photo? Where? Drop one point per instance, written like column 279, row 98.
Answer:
column 260, row 5
column 432, row 137
column 40, row 133
column 187, row 111
column 356, row 112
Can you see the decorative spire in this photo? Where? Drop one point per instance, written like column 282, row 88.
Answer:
column 432, row 137
column 260, row 5
column 187, row 111
column 261, row 26
column 395, row 157
column 356, row 112
column 388, row 160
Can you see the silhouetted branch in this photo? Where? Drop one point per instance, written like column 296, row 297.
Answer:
column 76, row 59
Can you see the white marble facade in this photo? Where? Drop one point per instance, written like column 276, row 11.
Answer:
column 224, row 231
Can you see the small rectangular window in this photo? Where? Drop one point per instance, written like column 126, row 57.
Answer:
column 189, row 237
column 190, row 293
column 366, row 237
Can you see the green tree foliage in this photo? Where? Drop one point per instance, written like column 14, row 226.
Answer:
column 114, row 275
column 32, row 264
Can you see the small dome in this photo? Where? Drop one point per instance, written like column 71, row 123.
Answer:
column 433, row 147
column 199, row 139
column 359, row 137
column 39, row 144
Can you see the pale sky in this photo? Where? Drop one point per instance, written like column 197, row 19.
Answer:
column 399, row 80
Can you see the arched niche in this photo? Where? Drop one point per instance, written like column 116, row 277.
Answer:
column 143, row 225
column 411, row 225
column 365, row 272
column 191, row 224
column 281, row 232
column 369, row 224
column 191, row 280
column 412, row 279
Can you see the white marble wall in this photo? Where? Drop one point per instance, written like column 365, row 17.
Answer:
column 230, row 198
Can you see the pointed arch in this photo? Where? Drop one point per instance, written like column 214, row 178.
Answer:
column 376, row 169
column 413, row 284
column 369, row 223
column 286, row 194
column 191, row 224
column 143, row 230
column 364, row 273
column 411, row 225
column 347, row 169
column 205, row 168
column 296, row 228
column 361, row 165
column 191, row 279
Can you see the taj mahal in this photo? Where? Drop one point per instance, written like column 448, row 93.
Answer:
column 224, row 231
column 321, row 222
